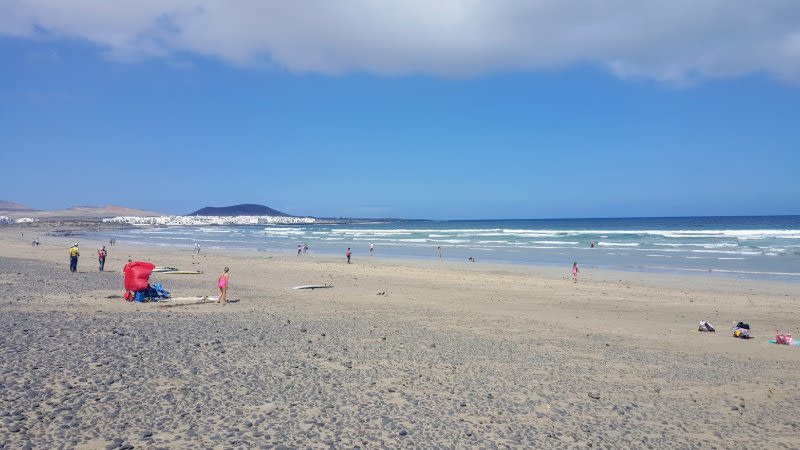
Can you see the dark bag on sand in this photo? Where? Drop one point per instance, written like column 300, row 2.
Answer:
column 746, row 326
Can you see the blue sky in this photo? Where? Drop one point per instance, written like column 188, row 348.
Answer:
column 182, row 129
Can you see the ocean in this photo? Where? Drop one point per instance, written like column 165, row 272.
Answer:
column 761, row 246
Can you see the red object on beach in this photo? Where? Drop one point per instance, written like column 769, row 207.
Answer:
column 137, row 275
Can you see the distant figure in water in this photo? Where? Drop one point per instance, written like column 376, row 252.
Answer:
column 223, row 287
column 439, row 251
column 299, row 249
column 197, row 247
column 348, row 255
column 592, row 245
column 471, row 259
column 371, row 249
column 305, row 247
column 575, row 272
column 101, row 257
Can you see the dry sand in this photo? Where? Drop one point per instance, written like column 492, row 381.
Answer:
column 396, row 354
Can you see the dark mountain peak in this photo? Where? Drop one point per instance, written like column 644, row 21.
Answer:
column 248, row 209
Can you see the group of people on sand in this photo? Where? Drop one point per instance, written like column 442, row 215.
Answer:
column 102, row 254
column 75, row 253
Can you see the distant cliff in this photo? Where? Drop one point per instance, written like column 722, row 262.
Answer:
column 238, row 210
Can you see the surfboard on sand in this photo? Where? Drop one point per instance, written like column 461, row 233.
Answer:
column 313, row 286
column 184, row 272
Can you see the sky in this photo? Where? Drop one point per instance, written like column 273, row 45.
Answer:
column 457, row 109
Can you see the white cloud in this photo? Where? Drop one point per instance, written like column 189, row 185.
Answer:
column 676, row 41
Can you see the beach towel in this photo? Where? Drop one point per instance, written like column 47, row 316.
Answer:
column 794, row 344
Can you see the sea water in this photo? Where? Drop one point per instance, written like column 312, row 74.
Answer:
column 750, row 246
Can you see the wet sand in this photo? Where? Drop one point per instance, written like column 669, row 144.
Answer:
column 396, row 354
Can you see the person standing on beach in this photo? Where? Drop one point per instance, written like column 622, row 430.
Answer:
column 223, row 287
column 101, row 257
column 575, row 272
column 439, row 251
column 371, row 249
column 348, row 255
column 74, row 253
column 299, row 249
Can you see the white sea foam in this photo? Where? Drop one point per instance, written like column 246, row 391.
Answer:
column 748, row 272
column 726, row 252
column 618, row 244
column 720, row 233
column 699, row 244
column 556, row 242
column 775, row 249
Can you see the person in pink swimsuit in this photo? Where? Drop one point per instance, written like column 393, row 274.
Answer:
column 223, row 287
column 575, row 272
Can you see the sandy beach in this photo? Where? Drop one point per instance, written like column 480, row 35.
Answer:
column 398, row 354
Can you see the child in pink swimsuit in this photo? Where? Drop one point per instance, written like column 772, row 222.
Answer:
column 575, row 272
column 223, row 287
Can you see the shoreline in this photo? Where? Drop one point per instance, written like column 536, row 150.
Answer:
column 778, row 261
column 781, row 277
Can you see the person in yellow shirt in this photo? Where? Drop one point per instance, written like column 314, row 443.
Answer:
column 74, row 253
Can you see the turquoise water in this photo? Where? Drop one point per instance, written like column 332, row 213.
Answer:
column 758, row 246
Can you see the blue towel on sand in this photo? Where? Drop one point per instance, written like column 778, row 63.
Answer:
column 796, row 343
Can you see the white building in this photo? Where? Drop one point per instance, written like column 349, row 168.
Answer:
column 208, row 220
